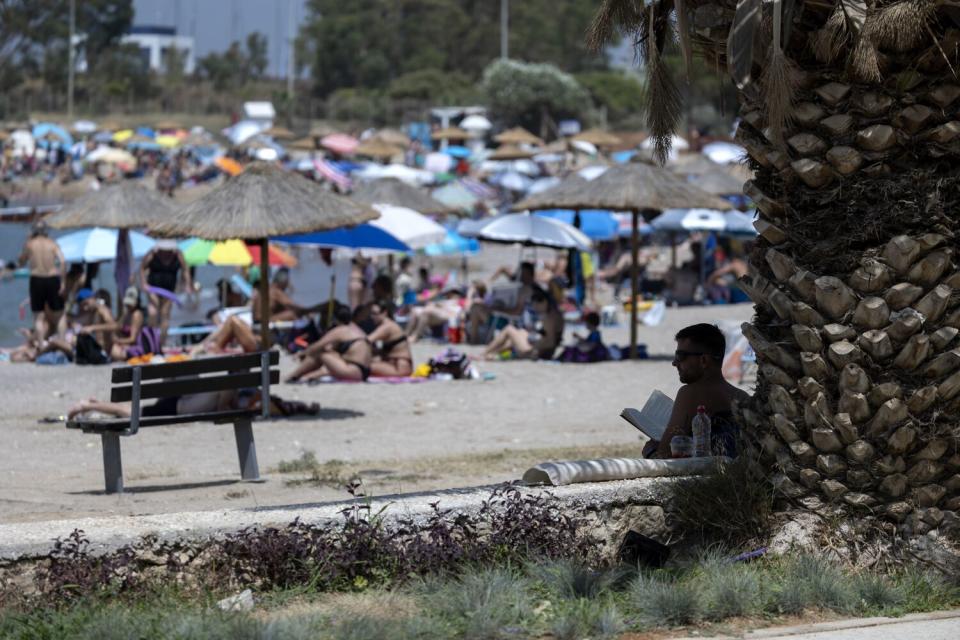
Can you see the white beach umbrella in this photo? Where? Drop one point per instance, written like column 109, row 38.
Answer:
column 724, row 152
column 690, row 220
column 475, row 123
column 532, row 231
column 409, row 175
column 413, row 229
column 99, row 244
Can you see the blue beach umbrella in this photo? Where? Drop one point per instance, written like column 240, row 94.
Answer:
column 44, row 128
column 453, row 244
column 99, row 245
column 597, row 224
column 457, row 151
column 362, row 236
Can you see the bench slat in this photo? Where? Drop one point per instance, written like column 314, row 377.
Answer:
column 194, row 367
column 121, row 424
column 189, row 386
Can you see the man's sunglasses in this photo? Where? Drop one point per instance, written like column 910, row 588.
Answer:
column 680, row 354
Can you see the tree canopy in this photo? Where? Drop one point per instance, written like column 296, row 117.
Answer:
column 524, row 92
column 368, row 44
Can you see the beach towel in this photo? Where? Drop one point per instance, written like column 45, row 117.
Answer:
column 574, row 471
column 371, row 380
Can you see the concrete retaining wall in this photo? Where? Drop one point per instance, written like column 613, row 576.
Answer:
column 610, row 510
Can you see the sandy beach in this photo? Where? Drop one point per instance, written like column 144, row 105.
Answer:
column 397, row 438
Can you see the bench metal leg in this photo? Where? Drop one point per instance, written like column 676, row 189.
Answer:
column 112, row 465
column 246, row 450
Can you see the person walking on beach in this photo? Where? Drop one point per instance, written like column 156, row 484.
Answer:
column 48, row 270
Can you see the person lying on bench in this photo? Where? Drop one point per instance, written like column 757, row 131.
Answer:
column 208, row 402
column 698, row 359
column 342, row 352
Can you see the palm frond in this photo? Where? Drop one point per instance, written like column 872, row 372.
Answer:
column 662, row 94
column 625, row 16
column 830, row 39
column 902, row 26
column 740, row 41
column 683, row 34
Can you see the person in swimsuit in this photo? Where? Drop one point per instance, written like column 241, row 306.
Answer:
column 230, row 400
column 126, row 336
column 48, row 270
column 538, row 344
column 342, row 352
column 164, row 267
column 392, row 349
column 698, row 360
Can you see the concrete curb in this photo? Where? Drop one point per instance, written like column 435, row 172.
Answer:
column 836, row 625
column 33, row 540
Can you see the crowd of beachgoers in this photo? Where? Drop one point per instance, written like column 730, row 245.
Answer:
column 518, row 311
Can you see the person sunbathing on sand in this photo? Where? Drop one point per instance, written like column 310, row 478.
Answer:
column 393, row 356
column 197, row 403
column 233, row 330
column 342, row 352
column 532, row 345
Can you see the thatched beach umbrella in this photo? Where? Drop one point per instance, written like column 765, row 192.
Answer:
column 392, row 136
column 377, row 149
column 303, row 144
column 279, row 133
column 399, row 194
column 719, row 183
column 450, row 133
column 264, row 201
column 126, row 205
column 637, row 188
column 597, row 137
column 122, row 206
column 510, row 152
column 517, row 135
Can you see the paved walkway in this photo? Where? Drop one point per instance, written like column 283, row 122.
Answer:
column 939, row 625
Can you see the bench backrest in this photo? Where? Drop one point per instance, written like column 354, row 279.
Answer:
column 246, row 371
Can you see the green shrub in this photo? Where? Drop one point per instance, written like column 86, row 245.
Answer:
column 732, row 506
column 480, row 603
column 587, row 618
column 571, row 579
column 665, row 603
column 877, row 592
column 730, row 590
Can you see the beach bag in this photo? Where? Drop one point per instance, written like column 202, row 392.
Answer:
column 89, row 351
column 451, row 361
column 149, row 341
column 299, row 338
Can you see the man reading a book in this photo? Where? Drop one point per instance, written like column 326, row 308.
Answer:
column 698, row 359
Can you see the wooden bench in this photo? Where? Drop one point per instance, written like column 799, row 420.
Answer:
column 176, row 379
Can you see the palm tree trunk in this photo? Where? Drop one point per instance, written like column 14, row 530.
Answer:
column 855, row 275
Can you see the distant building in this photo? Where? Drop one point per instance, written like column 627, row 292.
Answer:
column 154, row 42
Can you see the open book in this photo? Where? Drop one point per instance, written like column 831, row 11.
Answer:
column 654, row 418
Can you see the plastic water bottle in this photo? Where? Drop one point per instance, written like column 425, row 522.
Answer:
column 701, row 433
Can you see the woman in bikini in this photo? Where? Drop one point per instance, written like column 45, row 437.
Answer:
column 537, row 344
column 392, row 349
column 343, row 352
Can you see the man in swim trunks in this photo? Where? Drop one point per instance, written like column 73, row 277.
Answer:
column 48, row 270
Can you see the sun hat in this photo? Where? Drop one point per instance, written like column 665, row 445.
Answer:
column 167, row 245
column 131, row 297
